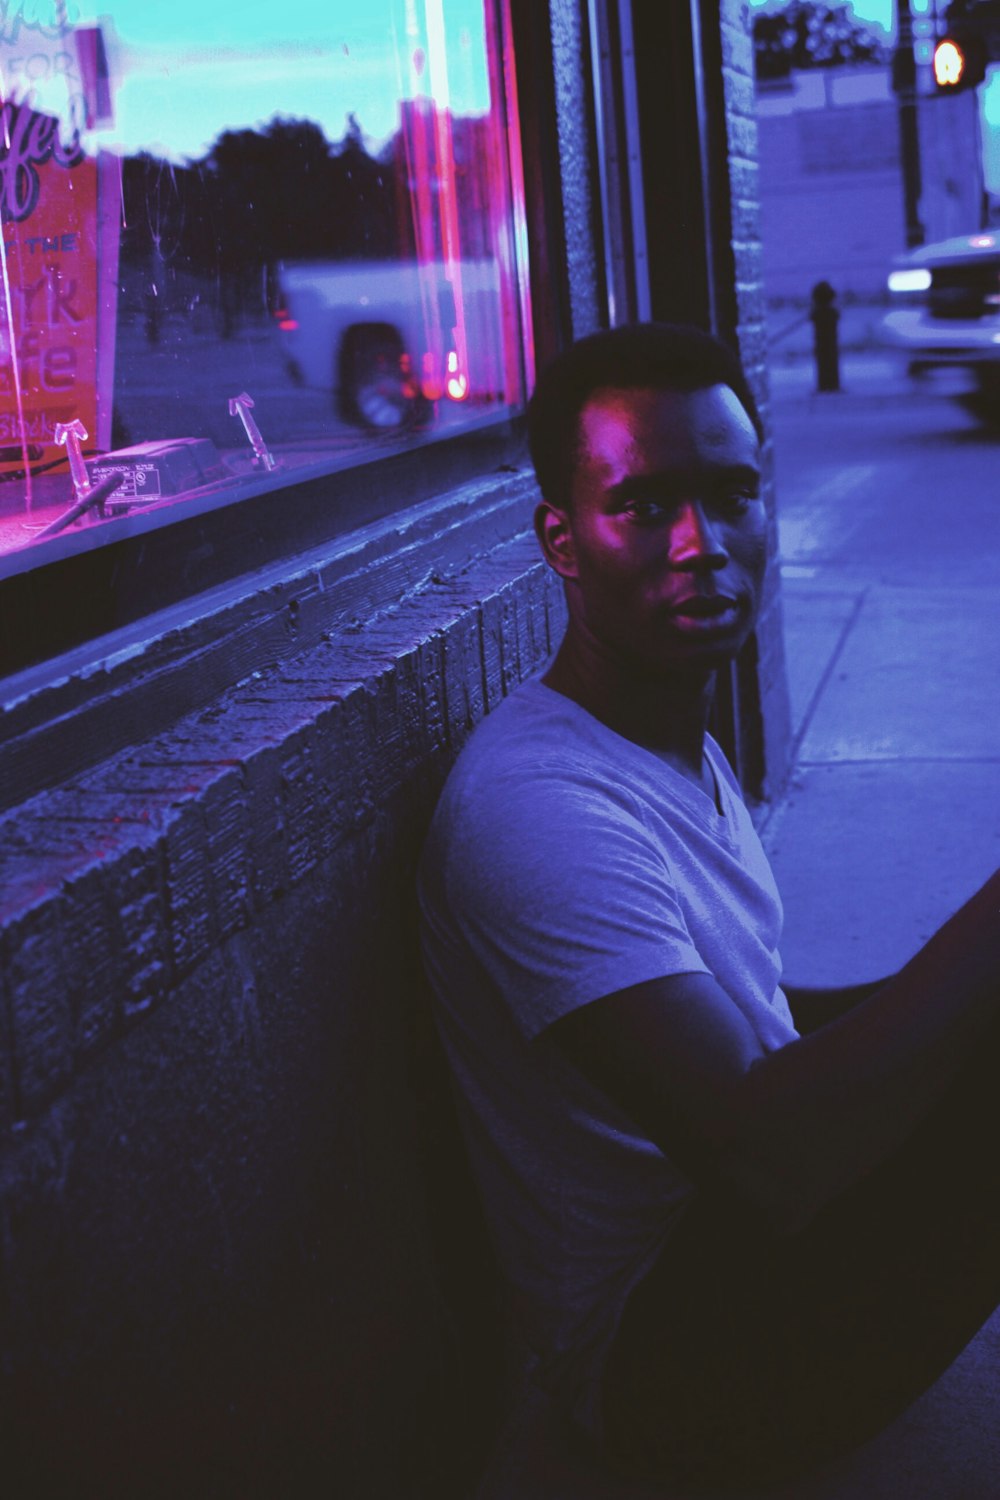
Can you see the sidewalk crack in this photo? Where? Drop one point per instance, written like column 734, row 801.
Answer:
column 807, row 717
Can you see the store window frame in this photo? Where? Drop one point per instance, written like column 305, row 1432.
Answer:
column 667, row 226
column 111, row 618
column 91, row 584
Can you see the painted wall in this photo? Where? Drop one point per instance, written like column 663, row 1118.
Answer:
column 831, row 198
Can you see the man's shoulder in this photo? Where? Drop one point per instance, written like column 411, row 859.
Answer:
column 533, row 754
column 533, row 724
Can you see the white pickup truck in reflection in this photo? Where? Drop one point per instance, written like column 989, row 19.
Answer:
column 392, row 339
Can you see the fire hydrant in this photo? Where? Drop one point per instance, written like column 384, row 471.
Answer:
column 825, row 316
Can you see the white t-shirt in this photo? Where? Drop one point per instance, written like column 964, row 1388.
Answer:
column 565, row 863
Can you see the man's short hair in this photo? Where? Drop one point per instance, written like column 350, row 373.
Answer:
column 657, row 356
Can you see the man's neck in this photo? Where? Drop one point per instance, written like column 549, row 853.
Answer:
column 668, row 715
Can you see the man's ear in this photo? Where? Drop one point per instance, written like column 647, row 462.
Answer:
column 555, row 536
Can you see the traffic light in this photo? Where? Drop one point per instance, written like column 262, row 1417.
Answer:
column 960, row 62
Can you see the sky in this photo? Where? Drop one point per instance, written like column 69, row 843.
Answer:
column 881, row 12
column 231, row 64
column 239, row 62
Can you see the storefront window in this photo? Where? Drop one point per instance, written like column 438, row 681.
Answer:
column 244, row 244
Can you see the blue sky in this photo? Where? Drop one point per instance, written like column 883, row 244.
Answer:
column 239, row 62
column 232, row 63
column 881, row 12
column 218, row 64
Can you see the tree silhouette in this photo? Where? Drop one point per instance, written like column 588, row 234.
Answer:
column 806, row 34
column 257, row 197
column 213, row 231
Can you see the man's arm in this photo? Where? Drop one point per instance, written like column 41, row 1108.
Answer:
column 787, row 1131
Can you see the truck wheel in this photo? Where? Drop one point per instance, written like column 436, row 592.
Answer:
column 374, row 390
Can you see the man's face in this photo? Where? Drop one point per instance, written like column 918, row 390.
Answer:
column 664, row 544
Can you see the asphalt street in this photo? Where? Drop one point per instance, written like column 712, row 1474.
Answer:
column 889, row 525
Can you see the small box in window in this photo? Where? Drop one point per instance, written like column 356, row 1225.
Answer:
column 158, row 471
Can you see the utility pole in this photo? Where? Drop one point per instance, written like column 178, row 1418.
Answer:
column 904, row 80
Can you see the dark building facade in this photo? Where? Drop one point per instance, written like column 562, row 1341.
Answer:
column 239, row 1254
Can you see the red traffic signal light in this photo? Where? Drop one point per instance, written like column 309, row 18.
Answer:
column 959, row 63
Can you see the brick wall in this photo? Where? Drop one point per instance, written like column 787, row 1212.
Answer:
column 227, row 1172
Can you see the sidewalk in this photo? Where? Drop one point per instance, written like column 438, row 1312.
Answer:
column 889, row 523
column 889, row 519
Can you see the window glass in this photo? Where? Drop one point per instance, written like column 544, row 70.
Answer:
column 244, row 243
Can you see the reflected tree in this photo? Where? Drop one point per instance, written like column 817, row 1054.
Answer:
column 216, row 228
column 212, row 232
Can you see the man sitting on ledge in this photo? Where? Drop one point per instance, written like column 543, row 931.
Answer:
column 732, row 1252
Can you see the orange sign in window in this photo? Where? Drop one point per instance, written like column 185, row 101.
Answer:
column 50, row 312
column 59, row 248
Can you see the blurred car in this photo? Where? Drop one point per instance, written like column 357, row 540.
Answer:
column 945, row 311
column 390, row 339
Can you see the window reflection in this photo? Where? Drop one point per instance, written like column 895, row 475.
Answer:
column 270, row 241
